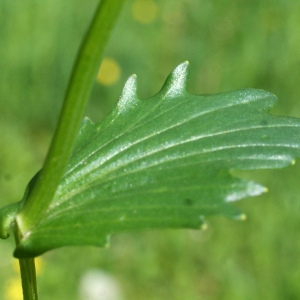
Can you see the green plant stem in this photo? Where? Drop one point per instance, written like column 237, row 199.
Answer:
column 77, row 95
column 28, row 275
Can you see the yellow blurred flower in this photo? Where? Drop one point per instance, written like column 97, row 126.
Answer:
column 13, row 289
column 109, row 72
column 38, row 265
column 144, row 11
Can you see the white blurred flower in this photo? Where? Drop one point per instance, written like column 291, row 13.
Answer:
column 98, row 285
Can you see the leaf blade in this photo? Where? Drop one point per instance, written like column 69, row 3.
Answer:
column 163, row 162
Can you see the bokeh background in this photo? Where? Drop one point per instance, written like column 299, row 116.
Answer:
column 230, row 44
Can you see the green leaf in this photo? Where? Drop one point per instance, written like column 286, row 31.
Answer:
column 163, row 162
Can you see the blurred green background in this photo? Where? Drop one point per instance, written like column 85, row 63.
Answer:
column 230, row 44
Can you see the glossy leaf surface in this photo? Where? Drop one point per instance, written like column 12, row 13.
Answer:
column 163, row 162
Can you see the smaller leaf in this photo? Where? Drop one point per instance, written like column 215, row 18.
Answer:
column 9, row 212
column 163, row 162
column 7, row 217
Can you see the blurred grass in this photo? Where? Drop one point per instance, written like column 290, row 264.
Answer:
column 230, row 45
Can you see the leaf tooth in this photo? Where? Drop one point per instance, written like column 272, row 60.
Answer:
column 176, row 82
column 252, row 189
column 129, row 94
